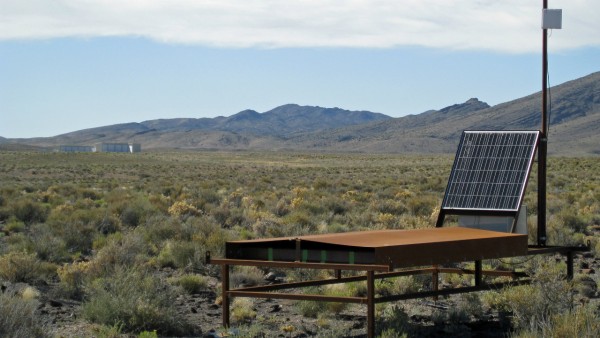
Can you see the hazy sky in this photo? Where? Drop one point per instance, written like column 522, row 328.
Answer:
column 67, row 65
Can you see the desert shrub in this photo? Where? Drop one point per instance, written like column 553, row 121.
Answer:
column 215, row 242
column 30, row 212
column 19, row 317
column 136, row 299
column 47, row 245
column 4, row 213
column 72, row 279
column 120, row 250
column 581, row 322
column 105, row 331
column 533, row 306
column 570, row 219
column 268, row 227
column 470, row 305
column 221, row 214
column 338, row 290
column 29, row 293
column 159, row 228
column 310, row 309
column 406, row 284
column 336, row 206
column 180, row 254
column 24, row 267
column 393, row 319
column 559, row 234
column 14, row 225
column 148, row 334
column 132, row 216
column 192, row 283
column 107, row 224
column 242, row 310
column 182, row 208
column 78, row 236
column 282, row 207
column 246, row 275
column 422, row 205
column 300, row 221
column 78, row 227
column 389, row 206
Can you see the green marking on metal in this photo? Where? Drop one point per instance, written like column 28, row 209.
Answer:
column 270, row 254
column 351, row 257
column 323, row 256
column 304, row 255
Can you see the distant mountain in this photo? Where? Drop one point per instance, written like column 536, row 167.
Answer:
column 281, row 121
column 574, row 125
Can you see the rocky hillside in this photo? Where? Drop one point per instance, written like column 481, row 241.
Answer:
column 575, row 119
column 574, row 116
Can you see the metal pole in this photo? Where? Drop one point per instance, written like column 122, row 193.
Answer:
column 543, row 146
column 370, row 304
column 570, row 265
column 435, row 280
column 225, row 294
column 478, row 273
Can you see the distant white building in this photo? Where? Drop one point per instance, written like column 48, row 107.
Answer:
column 119, row 147
column 76, row 149
column 135, row 148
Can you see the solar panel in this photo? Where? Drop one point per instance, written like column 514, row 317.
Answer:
column 490, row 171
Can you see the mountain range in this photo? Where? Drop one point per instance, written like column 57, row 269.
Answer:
column 574, row 125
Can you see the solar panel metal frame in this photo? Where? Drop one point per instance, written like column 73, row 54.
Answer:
column 490, row 173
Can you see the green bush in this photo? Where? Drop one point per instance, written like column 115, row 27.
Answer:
column 192, row 283
column 242, row 310
column 19, row 317
column 136, row 299
column 30, row 212
column 309, row 308
column 24, row 267
column 180, row 254
column 393, row 319
column 581, row 322
column 246, row 275
column 533, row 306
column 120, row 251
column 72, row 279
column 48, row 245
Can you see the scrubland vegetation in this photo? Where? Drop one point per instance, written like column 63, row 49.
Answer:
column 98, row 229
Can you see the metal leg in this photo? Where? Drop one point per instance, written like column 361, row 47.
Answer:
column 338, row 274
column 370, row 304
column 225, row 293
column 478, row 273
column 435, row 280
column 570, row 265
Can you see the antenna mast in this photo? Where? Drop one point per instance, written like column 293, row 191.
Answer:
column 550, row 19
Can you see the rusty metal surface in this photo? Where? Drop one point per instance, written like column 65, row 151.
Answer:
column 382, row 238
column 393, row 248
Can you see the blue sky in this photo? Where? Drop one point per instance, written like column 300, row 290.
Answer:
column 67, row 65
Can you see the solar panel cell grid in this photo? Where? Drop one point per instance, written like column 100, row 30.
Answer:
column 490, row 170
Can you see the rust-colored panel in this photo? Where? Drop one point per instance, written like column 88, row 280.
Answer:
column 396, row 248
